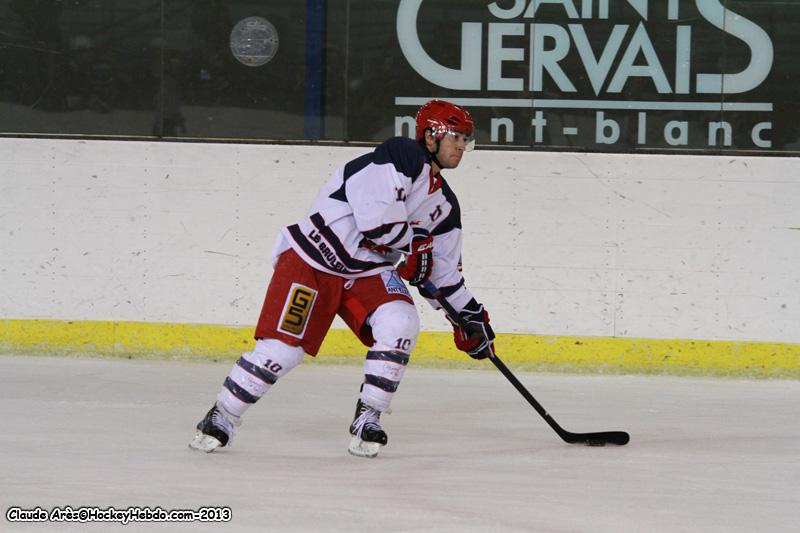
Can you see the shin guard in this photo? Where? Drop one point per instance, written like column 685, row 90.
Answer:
column 395, row 327
column 255, row 373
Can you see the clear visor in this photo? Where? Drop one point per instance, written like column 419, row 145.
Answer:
column 458, row 138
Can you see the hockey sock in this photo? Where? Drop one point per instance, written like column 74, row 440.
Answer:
column 395, row 326
column 255, row 373
column 383, row 371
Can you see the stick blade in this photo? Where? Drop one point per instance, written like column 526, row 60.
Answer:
column 600, row 438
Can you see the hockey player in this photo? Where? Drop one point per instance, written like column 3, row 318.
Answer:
column 387, row 206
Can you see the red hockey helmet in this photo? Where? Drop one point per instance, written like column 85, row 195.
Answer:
column 443, row 117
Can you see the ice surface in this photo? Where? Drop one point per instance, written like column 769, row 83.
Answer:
column 466, row 452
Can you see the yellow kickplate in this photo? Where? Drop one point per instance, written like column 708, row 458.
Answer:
column 534, row 352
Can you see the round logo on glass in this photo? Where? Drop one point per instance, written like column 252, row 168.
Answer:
column 254, row 41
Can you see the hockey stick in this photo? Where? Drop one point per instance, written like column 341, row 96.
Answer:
column 599, row 438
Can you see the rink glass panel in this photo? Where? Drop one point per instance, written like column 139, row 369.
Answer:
column 85, row 67
column 167, row 69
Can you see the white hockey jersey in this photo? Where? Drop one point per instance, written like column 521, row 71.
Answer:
column 371, row 204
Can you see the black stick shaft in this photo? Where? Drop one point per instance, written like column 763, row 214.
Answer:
column 501, row 366
column 614, row 437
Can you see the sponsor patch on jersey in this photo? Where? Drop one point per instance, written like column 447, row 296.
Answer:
column 394, row 284
column 296, row 310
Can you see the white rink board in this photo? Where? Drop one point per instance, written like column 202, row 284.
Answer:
column 653, row 246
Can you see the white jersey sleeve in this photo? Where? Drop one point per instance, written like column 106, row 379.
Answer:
column 360, row 210
column 447, row 239
column 378, row 208
column 363, row 218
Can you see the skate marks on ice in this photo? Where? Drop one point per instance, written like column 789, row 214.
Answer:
column 465, row 452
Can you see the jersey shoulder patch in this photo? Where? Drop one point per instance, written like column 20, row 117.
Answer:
column 351, row 168
column 357, row 165
column 406, row 155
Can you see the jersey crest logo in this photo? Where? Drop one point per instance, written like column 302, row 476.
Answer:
column 393, row 283
column 296, row 310
column 435, row 182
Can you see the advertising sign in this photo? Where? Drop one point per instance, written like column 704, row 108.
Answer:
column 601, row 75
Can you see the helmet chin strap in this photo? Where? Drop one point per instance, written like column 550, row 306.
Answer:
column 434, row 158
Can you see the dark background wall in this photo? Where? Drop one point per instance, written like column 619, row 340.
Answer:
column 630, row 71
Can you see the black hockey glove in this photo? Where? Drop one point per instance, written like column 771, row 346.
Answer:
column 478, row 338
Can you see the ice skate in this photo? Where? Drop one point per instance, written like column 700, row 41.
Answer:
column 214, row 431
column 368, row 436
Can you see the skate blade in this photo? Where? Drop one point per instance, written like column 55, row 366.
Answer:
column 204, row 443
column 362, row 448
